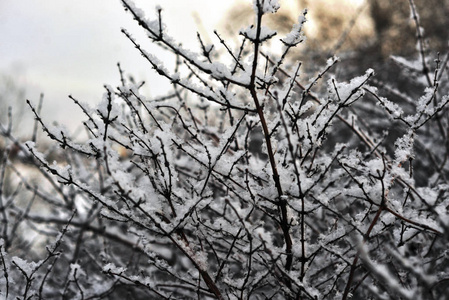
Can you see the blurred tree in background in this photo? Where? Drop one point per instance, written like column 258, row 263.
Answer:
column 370, row 30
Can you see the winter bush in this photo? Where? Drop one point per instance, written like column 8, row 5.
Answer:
column 248, row 180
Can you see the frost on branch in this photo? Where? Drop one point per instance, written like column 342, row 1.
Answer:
column 248, row 179
column 295, row 36
column 266, row 6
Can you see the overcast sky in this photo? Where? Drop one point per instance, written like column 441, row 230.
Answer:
column 62, row 47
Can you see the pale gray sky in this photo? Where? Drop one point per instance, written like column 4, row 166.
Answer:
column 62, row 47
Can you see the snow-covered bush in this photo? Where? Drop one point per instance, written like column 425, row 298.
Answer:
column 245, row 181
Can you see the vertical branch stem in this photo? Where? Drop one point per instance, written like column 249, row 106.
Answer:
column 282, row 202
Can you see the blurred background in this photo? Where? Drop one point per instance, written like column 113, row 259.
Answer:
column 72, row 47
column 63, row 48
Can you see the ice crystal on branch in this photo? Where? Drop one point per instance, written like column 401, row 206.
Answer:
column 266, row 6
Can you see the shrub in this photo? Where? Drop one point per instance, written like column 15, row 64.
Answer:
column 240, row 183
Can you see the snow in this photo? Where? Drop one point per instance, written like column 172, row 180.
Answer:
column 268, row 6
column 412, row 264
column 112, row 268
column 160, row 197
column 32, row 147
column 250, row 32
column 295, row 36
column 351, row 91
column 392, row 108
column 413, row 65
column 375, row 166
column 153, row 26
column 383, row 274
column 404, row 147
column 76, row 271
column 220, row 70
column 424, row 100
column 27, row 267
